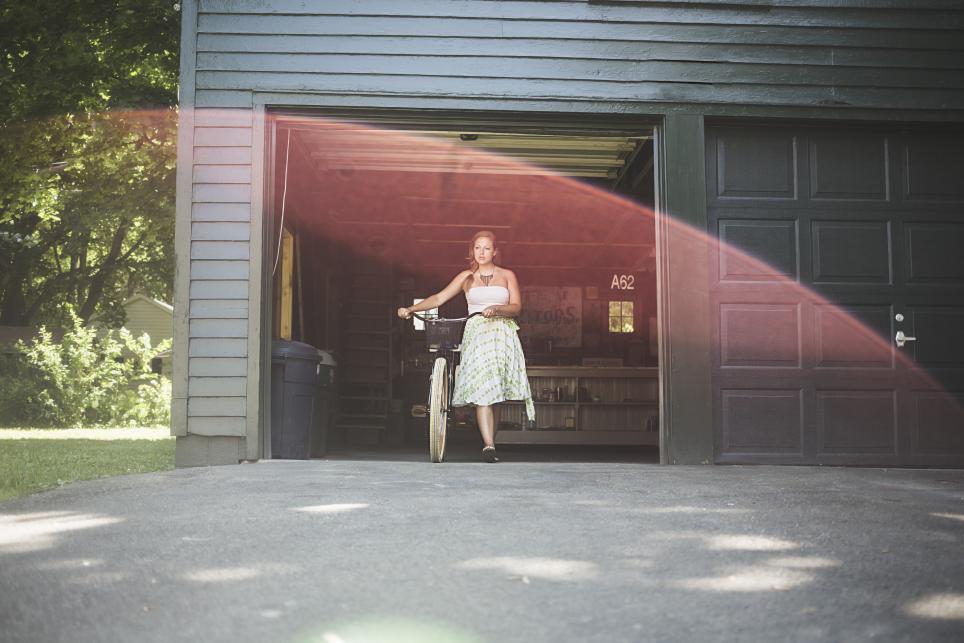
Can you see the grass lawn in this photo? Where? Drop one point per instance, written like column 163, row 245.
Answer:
column 34, row 460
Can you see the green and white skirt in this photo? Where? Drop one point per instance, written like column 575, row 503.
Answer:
column 493, row 368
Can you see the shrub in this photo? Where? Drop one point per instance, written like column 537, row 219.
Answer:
column 92, row 377
column 17, row 383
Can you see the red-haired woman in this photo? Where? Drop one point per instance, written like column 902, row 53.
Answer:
column 493, row 368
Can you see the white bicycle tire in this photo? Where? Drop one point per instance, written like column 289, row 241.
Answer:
column 438, row 410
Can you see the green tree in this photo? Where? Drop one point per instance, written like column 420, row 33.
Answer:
column 87, row 148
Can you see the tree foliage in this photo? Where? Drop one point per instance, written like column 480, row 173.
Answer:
column 87, row 150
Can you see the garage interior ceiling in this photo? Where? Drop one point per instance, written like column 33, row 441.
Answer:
column 365, row 185
column 589, row 156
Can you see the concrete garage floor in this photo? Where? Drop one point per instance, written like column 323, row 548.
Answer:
column 357, row 548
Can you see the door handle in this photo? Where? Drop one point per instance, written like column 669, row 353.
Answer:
column 902, row 339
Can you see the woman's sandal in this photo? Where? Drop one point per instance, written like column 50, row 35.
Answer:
column 489, row 455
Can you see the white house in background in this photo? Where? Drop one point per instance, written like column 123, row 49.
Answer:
column 151, row 316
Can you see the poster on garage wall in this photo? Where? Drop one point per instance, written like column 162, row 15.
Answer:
column 552, row 313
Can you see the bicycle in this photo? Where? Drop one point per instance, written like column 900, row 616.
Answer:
column 443, row 336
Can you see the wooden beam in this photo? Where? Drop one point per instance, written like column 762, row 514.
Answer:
column 287, row 263
column 301, row 301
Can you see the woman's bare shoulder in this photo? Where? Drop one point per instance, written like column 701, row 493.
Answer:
column 462, row 278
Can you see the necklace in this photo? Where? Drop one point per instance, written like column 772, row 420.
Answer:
column 486, row 278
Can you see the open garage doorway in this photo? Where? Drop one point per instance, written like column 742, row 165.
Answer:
column 366, row 215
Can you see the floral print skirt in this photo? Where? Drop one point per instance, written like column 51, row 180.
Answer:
column 493, row 368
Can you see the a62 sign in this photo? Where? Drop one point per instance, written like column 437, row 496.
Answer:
column 623, row 282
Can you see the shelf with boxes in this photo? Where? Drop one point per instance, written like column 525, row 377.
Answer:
column 586, row 405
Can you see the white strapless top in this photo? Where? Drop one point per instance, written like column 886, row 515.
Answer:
column 481, row 297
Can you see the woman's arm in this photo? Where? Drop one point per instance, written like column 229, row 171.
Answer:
column 514, row 307
column 438, row 298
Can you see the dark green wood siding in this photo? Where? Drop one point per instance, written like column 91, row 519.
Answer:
column 872, row 54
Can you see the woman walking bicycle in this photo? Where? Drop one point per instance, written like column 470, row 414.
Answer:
column 493, row 366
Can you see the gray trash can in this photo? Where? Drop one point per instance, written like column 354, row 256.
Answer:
column 302, row 398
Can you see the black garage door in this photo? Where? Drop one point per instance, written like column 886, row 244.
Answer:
column 860, row 235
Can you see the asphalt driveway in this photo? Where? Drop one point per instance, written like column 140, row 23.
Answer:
column 373, row 549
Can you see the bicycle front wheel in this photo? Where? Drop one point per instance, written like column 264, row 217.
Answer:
column 438, row 410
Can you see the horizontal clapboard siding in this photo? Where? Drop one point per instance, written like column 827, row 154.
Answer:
column 868, row 54
column 811, row 14
column 222, row 174
column 220, row 235
column 221, row 211
column 221, row 231
column 219, row 309
column 762, row 36
column 218, row 45
column 216, row 386
column 218, row 328
column 219, row 269
column 866, row 4
column 219, row 289
column 222, row 155
column 218, row 367
column 229, row 407
column 218, row 347
column 215, row 250
column 573, row 69
column 217, row 426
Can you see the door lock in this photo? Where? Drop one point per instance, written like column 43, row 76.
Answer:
column 902, row 339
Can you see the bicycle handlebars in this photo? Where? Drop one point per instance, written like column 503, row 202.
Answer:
column 444, row 319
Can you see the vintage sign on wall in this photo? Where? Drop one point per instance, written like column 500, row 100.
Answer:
column 552, row 313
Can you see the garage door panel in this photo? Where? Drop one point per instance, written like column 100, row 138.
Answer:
column 762, row 421
column 938, row 422
column 851, row 252
column 852, row 168
column 856, row 422
column 758, row 250
column 853, row 336
column 933, row 166
column 756, row 165
column 935, row 252
column 760, row 335
column 940, row 336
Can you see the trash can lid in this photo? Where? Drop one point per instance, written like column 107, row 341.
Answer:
column 327, row 358
column 286, row 349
